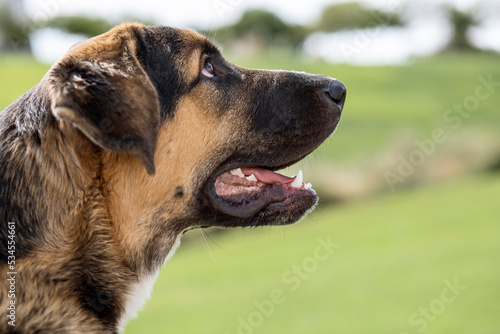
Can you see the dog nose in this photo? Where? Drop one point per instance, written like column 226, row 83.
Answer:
column 334, row 93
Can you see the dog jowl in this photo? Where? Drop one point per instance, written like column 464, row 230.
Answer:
column 131, row 139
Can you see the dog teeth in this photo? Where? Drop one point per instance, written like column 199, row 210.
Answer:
column 237, row 172
column 308, row 186
column 251, row 178
column 297, row 182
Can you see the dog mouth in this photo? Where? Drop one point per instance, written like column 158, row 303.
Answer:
column 250, row 191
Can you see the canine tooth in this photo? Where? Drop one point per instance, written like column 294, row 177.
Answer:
column 307, row 186
column 297, row 182
column 237, row 172
column 251, row 178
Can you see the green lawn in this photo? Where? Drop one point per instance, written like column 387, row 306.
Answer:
column 18, row 74
column 395, row 252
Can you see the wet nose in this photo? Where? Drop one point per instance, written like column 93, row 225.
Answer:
column 334, row 93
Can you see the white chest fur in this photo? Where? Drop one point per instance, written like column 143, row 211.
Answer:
column 141, row 291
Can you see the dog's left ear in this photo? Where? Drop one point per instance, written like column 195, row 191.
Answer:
column 102, row 89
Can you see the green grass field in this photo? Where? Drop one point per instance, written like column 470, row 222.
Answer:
column 396, row 250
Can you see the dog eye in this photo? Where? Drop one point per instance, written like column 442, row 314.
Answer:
column 208, row 69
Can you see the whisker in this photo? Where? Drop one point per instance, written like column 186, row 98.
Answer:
column 207, row 246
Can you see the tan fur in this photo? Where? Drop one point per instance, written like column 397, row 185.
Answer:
column 176, row 162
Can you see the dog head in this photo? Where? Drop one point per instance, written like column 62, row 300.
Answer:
column 178, row 130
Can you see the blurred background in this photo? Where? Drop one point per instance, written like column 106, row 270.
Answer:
column 406, row 237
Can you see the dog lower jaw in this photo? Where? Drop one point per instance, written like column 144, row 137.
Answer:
column 284, row 213
column 260, row 196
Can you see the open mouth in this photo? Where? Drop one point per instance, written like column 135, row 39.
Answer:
column 247, row 191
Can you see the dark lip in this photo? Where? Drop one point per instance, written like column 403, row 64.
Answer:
column 232, row 163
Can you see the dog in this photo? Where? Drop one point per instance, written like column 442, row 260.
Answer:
column 131, row 139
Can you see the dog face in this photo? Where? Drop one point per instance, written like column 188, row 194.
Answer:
column 181, row 131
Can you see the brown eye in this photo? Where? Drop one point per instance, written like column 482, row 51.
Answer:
column 208, row 69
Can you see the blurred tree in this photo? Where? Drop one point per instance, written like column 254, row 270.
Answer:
column 16, row 27
column 13, row 26
column 460, row 23
column 89, row 26
column 266, row 27
column 353, row 15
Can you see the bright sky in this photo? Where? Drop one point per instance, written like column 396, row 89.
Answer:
column 200, row 13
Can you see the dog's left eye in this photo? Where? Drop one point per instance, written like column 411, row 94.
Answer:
column 208, row 69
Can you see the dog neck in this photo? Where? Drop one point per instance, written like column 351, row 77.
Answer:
column 63, row 192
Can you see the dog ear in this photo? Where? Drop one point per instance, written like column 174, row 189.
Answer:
column 102, row 89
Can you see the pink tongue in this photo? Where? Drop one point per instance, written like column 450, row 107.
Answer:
column 266, row 176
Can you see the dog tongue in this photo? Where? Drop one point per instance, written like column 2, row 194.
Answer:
column 243, row 192
column 266, row 176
